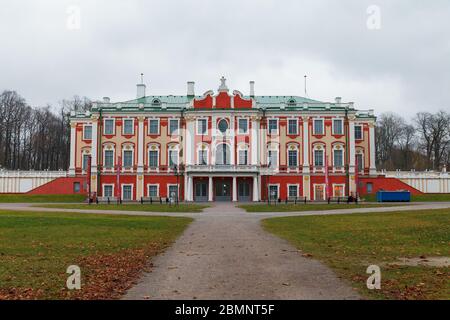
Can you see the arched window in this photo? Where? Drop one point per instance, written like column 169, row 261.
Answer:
column 223, row 154
column 223, row 125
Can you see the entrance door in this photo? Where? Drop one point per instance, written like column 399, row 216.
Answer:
column 319, row 192
column 223, row 190
column 201, row 191
column 244, row 191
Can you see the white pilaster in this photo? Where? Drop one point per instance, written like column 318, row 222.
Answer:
column 352, row 146
column 254, row 143
column 190, row 136
column 73, row 139
column 233, row 147
column 372, row 159
column 141, row 145
column 190, row 189
column 234, row 189
column 94, row 150
column 306, row 145
column 210, row 189
column 255, row 189
column 262, row 144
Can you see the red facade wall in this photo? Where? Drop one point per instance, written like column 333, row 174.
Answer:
column 61, row 186
column 383, row 183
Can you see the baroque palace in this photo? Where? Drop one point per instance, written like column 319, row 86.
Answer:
column 223, row 146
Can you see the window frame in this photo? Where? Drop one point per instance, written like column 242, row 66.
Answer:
column 84, row 131
column 108, row 185
column 297, row 186
column 362, row 132
column 104, row 158
column 157, row 158
column 173, row 185
column 123, row 158
column 314, row 127
column 269, row 131
column 177, row 151
column 149, row 127
column 246, row 125
column 323, row 158
column 124, row 126
column 199, row 158
column 246, row 156
column 296, row 126
column 334, row 157
column 127, row 185
column 113, row 126
column 342, row 126
column 296, row 157
column 176, row 132
column 197, row 126
column 152, row 185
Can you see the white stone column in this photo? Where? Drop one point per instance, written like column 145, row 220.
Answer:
column 140, row 157
column 372, row 159
column 234, row 189
column 352, row 146
column 255, row 189
column 190, row 136
column 210, row 189
column 262, row 144
column 255, row 142
column 232, row 138
column 186, row 188
column 306, row 148
column 190, row 188
column 73, row 139
column 94, row 153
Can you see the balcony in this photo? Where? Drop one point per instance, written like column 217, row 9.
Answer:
column 222, row 168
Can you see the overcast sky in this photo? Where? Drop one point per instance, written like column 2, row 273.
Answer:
column 403, row 66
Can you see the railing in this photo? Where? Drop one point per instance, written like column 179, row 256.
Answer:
column 222, row 168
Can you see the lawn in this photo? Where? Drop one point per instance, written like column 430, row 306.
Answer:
column 430, row 197
column 130, row 207
column 111, row 250
column 30, row 198
column 307, row 207
column 350, row 243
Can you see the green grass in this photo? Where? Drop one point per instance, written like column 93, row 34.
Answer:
column 350, row 243
column 306, row 207
column 430, row 197
column 30, row 198
column 130, row 207
column 37, row 248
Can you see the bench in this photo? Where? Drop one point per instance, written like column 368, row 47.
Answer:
column 295, row 200
column 107, row 200
column 151, row 200
column 342, row 200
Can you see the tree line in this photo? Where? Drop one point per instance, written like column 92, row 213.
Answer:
column 422, row 143
column 33, row 138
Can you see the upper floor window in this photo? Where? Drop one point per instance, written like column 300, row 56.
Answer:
column 273, row 126
column 153, row 158
column 243, row 157
column 338, row 158
column 318, row 158
column 173, row 126
column 202, row 126
column 109, row 126
column 358, row 132
column 360, row 162
column 173, row 157
column 292, row 158
column 243, row 126
column 87, row 132
column 223, row 154
column 128, row 159
column 223, row 125
column 85, row 161
column 338, row 127
column 153, row 126
column 272, row 158
column 109, row 159
column 318, row 126
column 292, row 126
column 203, row 157
column 128, row 126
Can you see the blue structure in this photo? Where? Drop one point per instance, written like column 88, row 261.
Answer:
column 393, row 196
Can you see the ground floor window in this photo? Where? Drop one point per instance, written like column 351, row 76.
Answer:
column 273, row 192
column 152, row 190
column 173, row 191
column 319, row 192
column 369, row 187
column 127, row 192
column 107, row 190
column 338, row 190
column 293, row 190
column 76, row 187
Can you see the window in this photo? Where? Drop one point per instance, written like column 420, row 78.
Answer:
column 173, row 126
column 243, row 126
column 128, row 126
column 292, row 158
column 338, row 127
column 153, row 190
column 109, row 159
column 85, row 161
column 293, row 190
column 203, row 157
column 223, row 125
column 153, row 158
column 358, row 133
column 369, row 187
column 87, row 134
column 360, row 162
column 273, row 192
column 272, row 159
column 107, row 190
column 273, row 126
column 153, row 126
column 76, row 187
column 173, row 158
column 243, row 157
column 338, row 190
column 223, row 154
column 128, row 159
column 338, row 158
column 127, row 192
column 109, row 126
column 292, row 126
column 318, row 158
column 173, row 191
column 202, row 126
column 318, row 126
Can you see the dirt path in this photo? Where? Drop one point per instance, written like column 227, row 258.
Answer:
column 227, row 255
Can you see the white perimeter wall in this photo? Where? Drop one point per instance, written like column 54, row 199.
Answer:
column 24, row 181
column 427, row 182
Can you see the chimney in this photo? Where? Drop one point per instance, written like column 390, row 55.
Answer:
column 190, row 89
column 106, row 100
column 252, row 89
column 338, row 100
column 140, row 91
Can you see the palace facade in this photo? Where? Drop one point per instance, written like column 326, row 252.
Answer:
column 223, row 146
